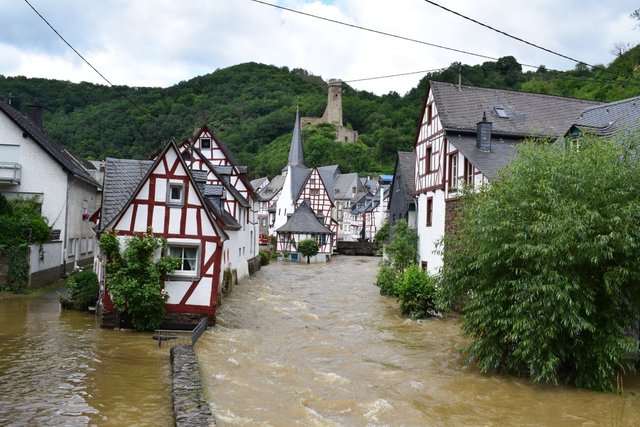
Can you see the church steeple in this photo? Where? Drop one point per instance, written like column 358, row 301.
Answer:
column 296, row 156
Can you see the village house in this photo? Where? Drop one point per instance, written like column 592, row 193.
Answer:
column 208, row 157
column 162, row 196
column 313, row 185
column 402, row 204
column 608, row 119
column 32, row 165
column 303, row 224
column 465, row 135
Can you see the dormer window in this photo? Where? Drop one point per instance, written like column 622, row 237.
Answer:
column 501, row 112
column 205, row 143
column 175, row 194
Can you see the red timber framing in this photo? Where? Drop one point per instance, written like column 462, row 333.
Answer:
column 430, row 147
column 183, row 221
column 316, row 194
column 218, row 155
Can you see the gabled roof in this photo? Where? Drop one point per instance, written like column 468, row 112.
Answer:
column 299, row 176
column 296, row 155
column 170, row 146
column 605, row 120
column 256, row 183
column 304, row 220
column 403, row 177
column 224, row 218
column 528, row 114
column 271, row 189
column 342, row 184
column 222, row 173
column 328, row 175
column 503, row 151
column 121, row 178
column 58, row 153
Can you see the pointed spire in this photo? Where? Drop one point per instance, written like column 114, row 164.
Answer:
column 296, row 156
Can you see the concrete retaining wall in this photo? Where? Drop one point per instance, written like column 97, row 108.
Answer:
column 189, row 406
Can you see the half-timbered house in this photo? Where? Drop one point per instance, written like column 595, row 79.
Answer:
column 303, row 224
column 465, row 135
column 162, row 196
column 303, row 184
column 237, row 215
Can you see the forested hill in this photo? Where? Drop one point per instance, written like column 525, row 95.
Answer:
column 251, row 108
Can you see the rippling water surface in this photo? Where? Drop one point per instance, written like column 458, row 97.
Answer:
column 59, row 368
column 317, row 345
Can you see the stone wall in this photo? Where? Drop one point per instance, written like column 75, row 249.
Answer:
column 254, row 265
column 356, row 248
column 451, row 211
column 189, row 405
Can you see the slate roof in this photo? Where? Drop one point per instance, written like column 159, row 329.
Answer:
column 296, row 155
column 342, row 184
column 225, row 219
column 121, row 178
column 256, row 183
column 503, row 151
column 605, row 120
column 407, row 166
column 49, row 145
column 529, row 114
column 272, row 188
column 328, row 175
column 304, row 220
column 299, row 175
column 222, row 173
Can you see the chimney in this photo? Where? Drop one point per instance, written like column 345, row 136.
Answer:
column 483, row 134
column 35, row 114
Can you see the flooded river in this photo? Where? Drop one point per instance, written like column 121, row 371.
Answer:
column 317, row 345
column 59, row 368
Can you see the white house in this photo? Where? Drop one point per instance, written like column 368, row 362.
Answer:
column 33, row 165
column 465, row 135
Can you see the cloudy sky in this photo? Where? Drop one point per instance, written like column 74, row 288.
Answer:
column 162, row 42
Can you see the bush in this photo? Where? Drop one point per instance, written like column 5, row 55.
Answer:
column 135, row 279
column 386, row 279
column 308, row 248
column 83, row 291
column 265, row 257
column 416, row 291
column 544, row 264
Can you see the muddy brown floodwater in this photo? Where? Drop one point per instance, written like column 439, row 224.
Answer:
column 317, row 345
column 59, row 368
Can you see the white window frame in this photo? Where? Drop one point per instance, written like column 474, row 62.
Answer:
column 180, row 272
column 175, row 202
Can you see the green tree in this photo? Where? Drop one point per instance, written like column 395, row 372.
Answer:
column 544, row 265
column 135, row 277
column 308, row 248
column 402, row 250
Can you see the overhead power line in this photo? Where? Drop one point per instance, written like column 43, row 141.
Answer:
column 86, row 61
column 394, row 75
column 383, row 33
column 506, row 34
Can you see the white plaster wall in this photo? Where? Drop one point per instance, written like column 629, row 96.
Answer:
column 429, row 236
column 83, row 197
column 41, row 174
column 284, row 205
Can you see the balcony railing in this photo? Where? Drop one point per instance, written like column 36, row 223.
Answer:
column 10, row 172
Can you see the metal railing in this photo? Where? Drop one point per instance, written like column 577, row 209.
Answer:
column 175, row 337
column 10, row 172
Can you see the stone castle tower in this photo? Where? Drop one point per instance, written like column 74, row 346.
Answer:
column 333, row 114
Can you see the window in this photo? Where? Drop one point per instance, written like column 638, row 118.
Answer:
column 188, row 256
column 175, row 194
column 318, row 238
column 71, row 248
column 427, row 160
column 453, row 171
column 354, row 189
column 314, row 192
column 468, row 173
column 424, row 265
column 429, row 211
column 501, row 112
column 205, row 143
column 429, row 113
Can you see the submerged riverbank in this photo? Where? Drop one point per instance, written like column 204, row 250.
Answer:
column 317, row 345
